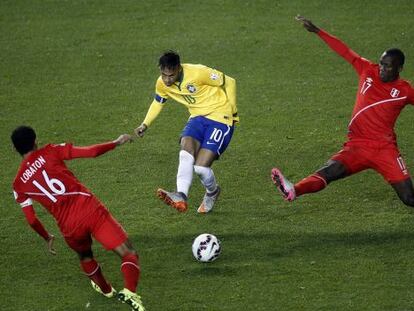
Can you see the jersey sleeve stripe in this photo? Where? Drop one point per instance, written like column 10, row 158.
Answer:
column 160, row 99
column 26, row 203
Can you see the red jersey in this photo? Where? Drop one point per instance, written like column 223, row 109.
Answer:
column 44, row 177
column 378, row 104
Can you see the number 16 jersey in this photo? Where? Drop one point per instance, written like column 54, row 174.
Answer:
column 44, row 177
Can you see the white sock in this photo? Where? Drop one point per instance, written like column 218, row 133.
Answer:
column 185, row 172
column 207, row 178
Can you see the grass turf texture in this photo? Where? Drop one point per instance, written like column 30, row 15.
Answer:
column 84, row 71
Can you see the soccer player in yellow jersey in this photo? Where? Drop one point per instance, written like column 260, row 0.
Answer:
column 210, row 97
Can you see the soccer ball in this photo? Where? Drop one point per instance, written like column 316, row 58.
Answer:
column 206, row 247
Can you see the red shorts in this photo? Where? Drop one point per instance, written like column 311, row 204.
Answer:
column 385, row 158
column 102, row 226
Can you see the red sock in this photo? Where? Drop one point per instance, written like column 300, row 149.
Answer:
column 312, row 183
column 93, row 271
column 130, row 269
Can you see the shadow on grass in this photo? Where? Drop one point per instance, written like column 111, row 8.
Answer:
column 242, row 247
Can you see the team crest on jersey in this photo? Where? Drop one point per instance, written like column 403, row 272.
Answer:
column 394, row 92
column 214, row 76
column 191, row 88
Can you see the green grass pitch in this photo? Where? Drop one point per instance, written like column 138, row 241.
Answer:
column 84, row 71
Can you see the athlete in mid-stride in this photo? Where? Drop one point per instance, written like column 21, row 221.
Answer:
column 372, row 142
column 210, row 97
column 44, row 177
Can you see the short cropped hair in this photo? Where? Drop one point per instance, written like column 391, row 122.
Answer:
column 23, row 138
column 169, row 59
column 396, row 54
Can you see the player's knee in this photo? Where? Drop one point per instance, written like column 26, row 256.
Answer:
column 132, row 254
column 332, row 170
column 129, row 254
column 131, row 251
column 125, row 249
column 408, row 199
column 186, row 156
column 128, row 248
column 189, row 145
column 86, row 255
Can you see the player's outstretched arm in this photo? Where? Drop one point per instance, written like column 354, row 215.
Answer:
column 334, row 43
column 73, row 152
column 307, row 24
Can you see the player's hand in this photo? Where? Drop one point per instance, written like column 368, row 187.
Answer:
column 50, row 242
column 140, row 130
column 123, row 139
column 309, row 26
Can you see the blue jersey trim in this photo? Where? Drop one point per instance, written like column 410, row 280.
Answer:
column 160, row 99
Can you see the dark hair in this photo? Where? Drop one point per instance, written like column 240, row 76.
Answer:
column 169, row 59
column 396, row 54
column 23, row 139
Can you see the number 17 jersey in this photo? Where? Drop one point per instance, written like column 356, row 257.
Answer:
column 378, row 104
column 44, row 177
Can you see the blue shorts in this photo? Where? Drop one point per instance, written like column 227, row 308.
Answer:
column 212, row 135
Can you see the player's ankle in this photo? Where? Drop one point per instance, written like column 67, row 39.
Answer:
column 183, row 195
column 213, row 193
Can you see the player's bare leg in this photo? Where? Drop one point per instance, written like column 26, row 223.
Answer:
column 333, row 170
column 405, row 192
column 178, row 199
column 205, row 159
column 131, row 271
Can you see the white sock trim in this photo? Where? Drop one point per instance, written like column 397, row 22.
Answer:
column 94, row 271
column 129, row 263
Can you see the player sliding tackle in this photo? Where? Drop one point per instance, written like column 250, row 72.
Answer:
column 44, row 177
column 372, row 143
column 210, row 97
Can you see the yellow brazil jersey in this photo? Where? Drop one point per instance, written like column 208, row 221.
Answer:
column 200, row 89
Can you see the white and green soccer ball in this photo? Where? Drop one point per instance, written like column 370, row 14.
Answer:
column 206, row 247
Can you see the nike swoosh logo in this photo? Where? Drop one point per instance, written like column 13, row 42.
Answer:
column 209, row 143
